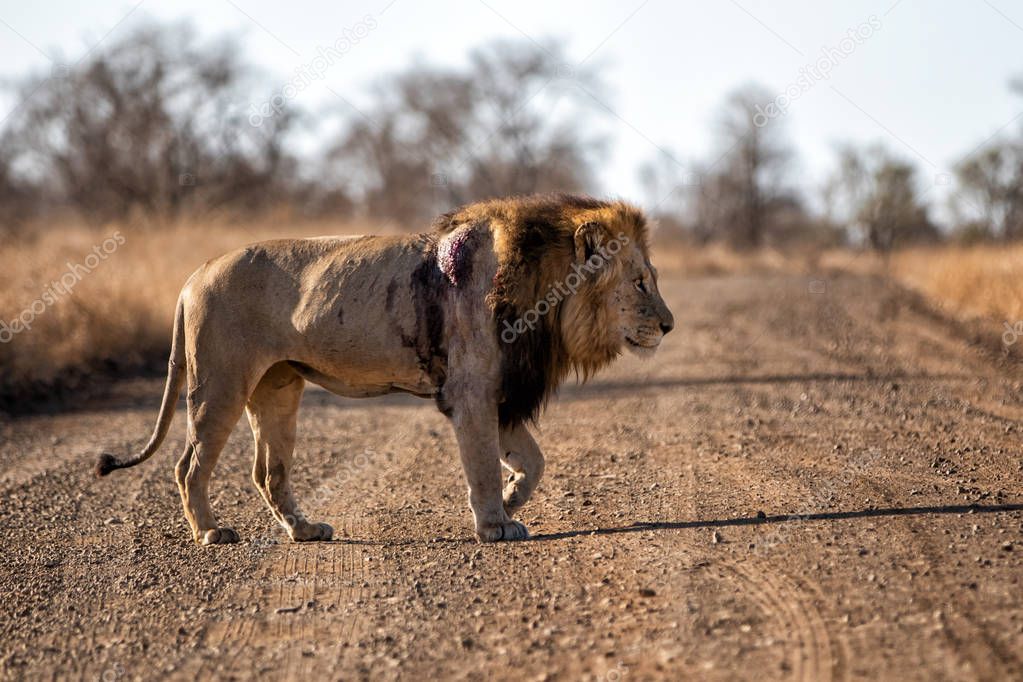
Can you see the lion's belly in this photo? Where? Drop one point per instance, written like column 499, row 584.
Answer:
column 365, row 387
column 374, row 360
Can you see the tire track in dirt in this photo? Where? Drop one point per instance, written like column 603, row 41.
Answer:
column 605, row 591
column 796, row 617
column 812, row 650
column 315, row 595
column 969, row 640
column 799, row 626
column 350, row 579
column 304, row 605
column 301, row 605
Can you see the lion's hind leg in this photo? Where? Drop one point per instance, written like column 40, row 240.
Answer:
column 213, row 410
column 520, row 454
column 273, row 414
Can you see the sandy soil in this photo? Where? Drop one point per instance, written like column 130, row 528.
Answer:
column 807, row 486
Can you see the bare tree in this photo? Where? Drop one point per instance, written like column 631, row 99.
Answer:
column 19, row 196
column 151, row 123
column 508, row 124
column 667, row 186
column 991, row 183
column 882, row 198
column 743, row 192
column 989, row 203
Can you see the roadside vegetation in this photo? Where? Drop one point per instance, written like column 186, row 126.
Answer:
column 122, row 174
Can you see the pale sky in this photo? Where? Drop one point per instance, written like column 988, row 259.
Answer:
column 930, row 81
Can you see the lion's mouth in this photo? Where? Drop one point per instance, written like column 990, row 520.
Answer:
column 637, row 344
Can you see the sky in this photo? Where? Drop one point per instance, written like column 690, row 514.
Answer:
column 928, row 79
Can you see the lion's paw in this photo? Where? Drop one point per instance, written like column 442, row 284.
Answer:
column 308, row 532
column 220, row 536
column 508, row 530
column 513, row 500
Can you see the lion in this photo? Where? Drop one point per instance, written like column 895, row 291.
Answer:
column 487, row 314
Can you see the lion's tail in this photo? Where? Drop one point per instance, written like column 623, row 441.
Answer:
column 175, row 378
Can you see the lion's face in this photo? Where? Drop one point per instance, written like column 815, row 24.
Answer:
column 618, row 306
column 642, row 316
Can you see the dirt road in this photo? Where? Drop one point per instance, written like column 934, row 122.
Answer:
column 805, row 486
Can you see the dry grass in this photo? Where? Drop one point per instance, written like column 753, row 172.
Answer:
column 975, row 282
column 119, row 314
column 978, row 281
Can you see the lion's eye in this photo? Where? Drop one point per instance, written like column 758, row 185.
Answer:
column 640, row 285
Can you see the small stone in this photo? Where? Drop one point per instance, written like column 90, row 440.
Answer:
column 647, row 592
column 1006, row 546
column 716, row 538
column 761, row 514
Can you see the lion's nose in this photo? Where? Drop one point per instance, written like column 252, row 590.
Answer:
column 667, row 326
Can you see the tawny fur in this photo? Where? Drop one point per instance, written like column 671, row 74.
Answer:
column 425, row 314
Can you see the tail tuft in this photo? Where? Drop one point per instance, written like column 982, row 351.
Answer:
column 105, row 464
column 175, row 378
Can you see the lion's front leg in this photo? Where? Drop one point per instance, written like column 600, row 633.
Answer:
column 471, row 387
column 476, row 429
column 523, row 457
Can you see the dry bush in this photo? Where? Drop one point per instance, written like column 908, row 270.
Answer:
column 676, row 252
column 718, row 259
column 882, row 198
column 118, row 316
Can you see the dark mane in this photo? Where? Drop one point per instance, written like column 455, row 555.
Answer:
column 534, row 240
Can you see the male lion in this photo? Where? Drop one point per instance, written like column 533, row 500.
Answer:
column 486, row 314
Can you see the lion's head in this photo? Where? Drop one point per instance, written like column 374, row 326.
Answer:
column 620, row 306
column 574, row 287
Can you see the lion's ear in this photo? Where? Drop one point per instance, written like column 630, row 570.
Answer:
column 588, row 238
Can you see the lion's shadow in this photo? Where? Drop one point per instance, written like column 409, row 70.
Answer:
column 787, row 518
column 647, row 526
